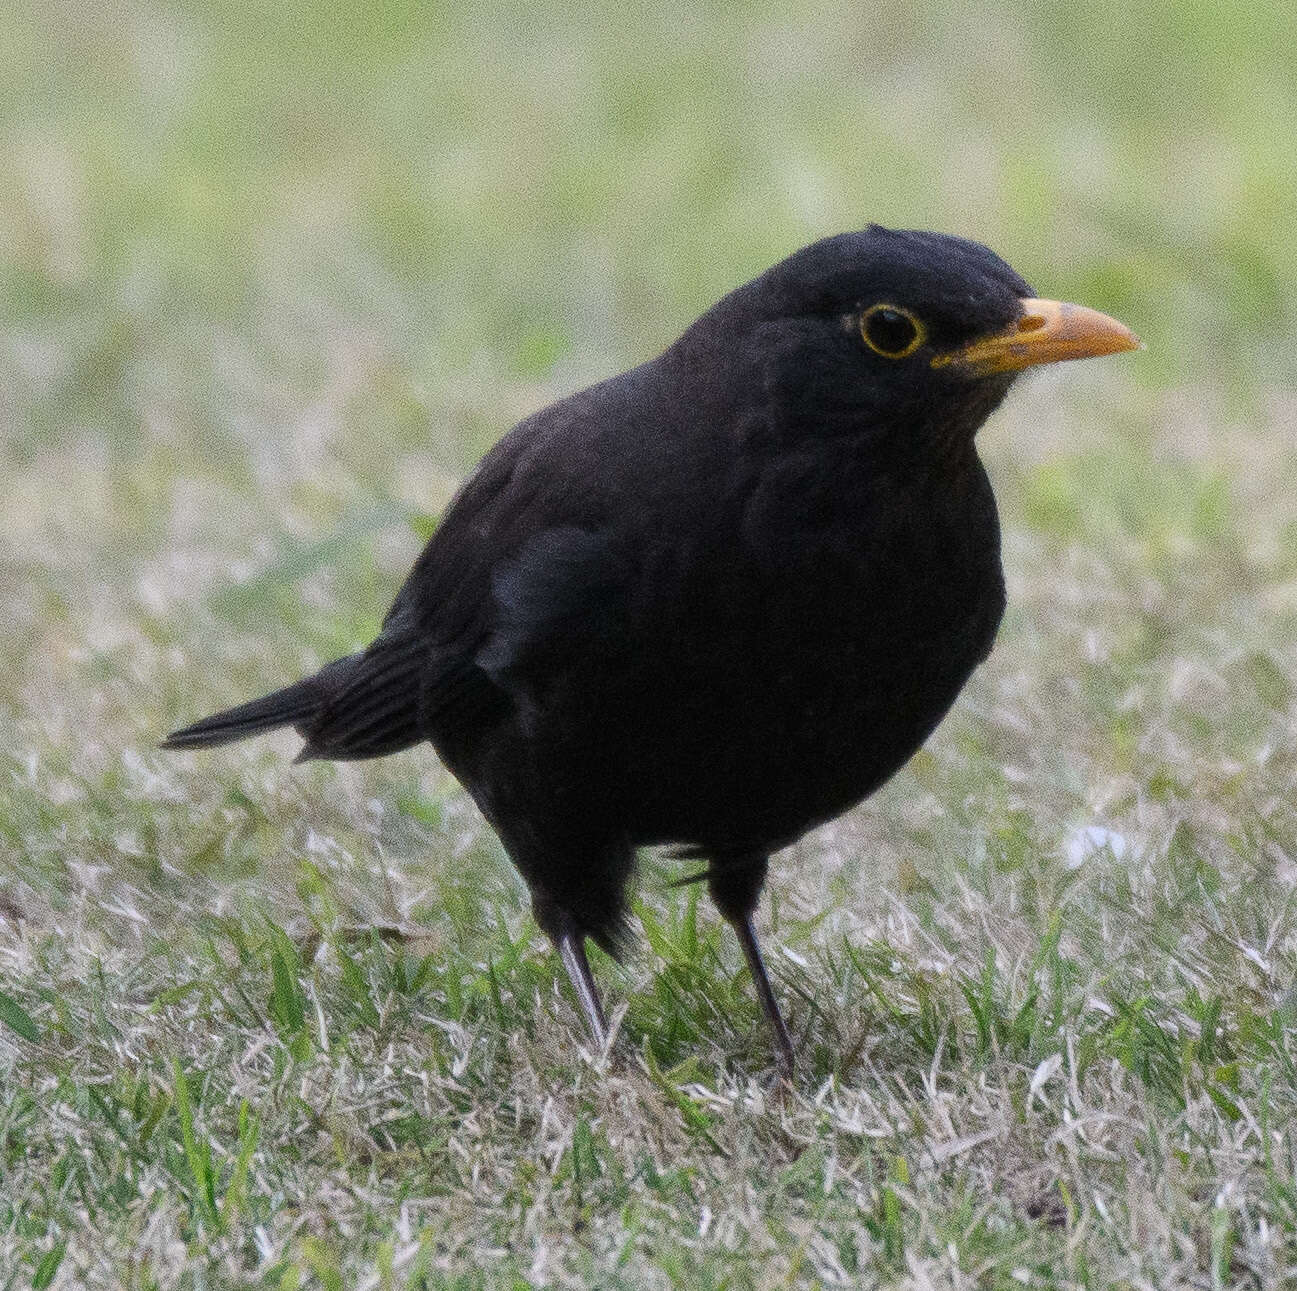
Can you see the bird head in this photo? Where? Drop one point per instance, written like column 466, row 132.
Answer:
column 907, row 338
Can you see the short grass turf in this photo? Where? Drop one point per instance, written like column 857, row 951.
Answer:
column 271, row 278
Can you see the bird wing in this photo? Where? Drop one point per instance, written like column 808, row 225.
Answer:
column 510, row 588
column 562, row 593
column 526, row 569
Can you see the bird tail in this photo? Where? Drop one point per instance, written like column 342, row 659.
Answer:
column 298, row 705
column 361, row 706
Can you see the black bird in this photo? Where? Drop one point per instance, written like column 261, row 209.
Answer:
column 718, row 599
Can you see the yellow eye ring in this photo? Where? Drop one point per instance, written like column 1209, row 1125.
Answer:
column 891, row 331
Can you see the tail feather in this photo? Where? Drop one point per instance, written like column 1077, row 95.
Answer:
column 298, row 705
column 375, row 710
column 361, row 706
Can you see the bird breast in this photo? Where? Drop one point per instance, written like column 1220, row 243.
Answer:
column 799, row 671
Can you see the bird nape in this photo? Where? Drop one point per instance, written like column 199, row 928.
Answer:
column 716, row 600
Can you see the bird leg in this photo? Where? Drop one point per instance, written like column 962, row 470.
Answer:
column 757, row 967
column 571, row 950
column 735, row 886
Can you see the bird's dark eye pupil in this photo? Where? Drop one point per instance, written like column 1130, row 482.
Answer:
column 889, row 331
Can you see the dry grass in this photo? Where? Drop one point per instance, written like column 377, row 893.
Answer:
column 1043, row 984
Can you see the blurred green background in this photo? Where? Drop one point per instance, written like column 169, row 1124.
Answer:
column 268, row 267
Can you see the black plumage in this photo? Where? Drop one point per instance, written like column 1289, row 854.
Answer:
column 718, row 599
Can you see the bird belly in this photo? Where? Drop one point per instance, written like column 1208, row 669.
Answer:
column 799, row 729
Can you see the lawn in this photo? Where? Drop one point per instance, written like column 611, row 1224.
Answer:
column 272, row 277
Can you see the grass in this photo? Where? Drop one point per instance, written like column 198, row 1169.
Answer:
column 273, row 278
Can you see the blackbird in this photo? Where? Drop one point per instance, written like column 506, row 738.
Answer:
column 716, row 600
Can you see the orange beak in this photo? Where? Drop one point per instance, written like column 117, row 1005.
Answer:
column 1048, row 331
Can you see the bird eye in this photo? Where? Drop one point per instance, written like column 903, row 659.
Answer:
column 891, row 331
